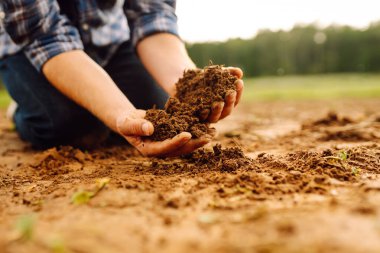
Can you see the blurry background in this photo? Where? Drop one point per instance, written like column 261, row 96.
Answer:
column 288, row 49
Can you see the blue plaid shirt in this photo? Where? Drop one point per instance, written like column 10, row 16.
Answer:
column 38, row 29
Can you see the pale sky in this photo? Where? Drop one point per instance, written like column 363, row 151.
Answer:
column 213, row 20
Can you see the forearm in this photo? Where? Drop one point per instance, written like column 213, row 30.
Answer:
column 165, row 57
column 78, row 77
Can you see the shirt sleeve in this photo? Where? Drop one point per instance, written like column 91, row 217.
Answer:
column 38, row 27
column 151, row 16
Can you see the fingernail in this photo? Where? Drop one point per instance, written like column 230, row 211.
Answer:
column 145, row 128
column 186, row 139
column 217, row 105
column 231, row 93
column 239, row 84
column 204, row 114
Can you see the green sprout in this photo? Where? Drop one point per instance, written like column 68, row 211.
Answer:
column 355, row 171
column 341, row 158
column 56, row 245
column 25, row 227
column 343, row 155
column 83, row 197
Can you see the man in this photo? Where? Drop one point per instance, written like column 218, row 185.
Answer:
column 71, row 64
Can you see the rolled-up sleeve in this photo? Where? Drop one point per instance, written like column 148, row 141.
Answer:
column 38, row 27
column 151, row 16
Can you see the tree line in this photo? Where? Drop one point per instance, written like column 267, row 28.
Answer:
column 302, row 50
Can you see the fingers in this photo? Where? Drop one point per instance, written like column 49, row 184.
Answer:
column 149, row 148
column 190, row 146
column 216, row 111
column 229, row 104
column 237, row 72
column 232, row 99
column 204, row 114
column 211, row 132
column 179, row 145
column 222, row 110
column 135, row 127
column 239, row 90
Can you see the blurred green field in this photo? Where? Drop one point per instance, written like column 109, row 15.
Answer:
column 4, row 98
column 330, row 86
column 307, row 87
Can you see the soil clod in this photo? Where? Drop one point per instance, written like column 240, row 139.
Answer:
column 225, row 160
column 197, row 91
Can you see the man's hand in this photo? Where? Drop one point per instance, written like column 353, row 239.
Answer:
column 220, row 110
column 165, row 57
column 133, row 127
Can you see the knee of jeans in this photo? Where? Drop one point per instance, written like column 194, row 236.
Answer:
column 45, row 132
column 40, row 133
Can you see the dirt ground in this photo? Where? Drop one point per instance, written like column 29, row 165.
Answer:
column 312, row 185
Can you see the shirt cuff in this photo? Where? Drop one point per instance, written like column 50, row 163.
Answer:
column 160, row 22
column 48, row 46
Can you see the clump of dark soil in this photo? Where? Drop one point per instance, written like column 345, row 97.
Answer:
column 203, row 160
column 197, row 91
column 56, row 161
column 334, row 127
column 201, row 88
column 226, row 160
column 56, row 157
column 331, row 119
column 295, row 172
column 352, row 135
column 176, row 118
column 328, row 163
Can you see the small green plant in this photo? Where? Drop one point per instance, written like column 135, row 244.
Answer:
column 343, row 155
column 25, row 227
column 83, row 197
column 56, row 245
column 341, row 159
column 355, row 171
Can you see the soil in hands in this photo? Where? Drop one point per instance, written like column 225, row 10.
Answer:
column 197, row 91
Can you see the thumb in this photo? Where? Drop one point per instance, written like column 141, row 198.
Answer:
column 137, row 127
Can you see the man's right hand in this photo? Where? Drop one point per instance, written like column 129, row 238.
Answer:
column 133, row 127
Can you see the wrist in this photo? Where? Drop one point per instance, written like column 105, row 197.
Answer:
column 165, row 57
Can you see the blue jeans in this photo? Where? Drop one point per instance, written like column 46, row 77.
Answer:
column 47, row 118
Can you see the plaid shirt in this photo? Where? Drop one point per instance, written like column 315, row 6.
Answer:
column 38, row 29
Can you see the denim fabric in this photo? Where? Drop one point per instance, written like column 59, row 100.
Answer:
column 47, row 118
